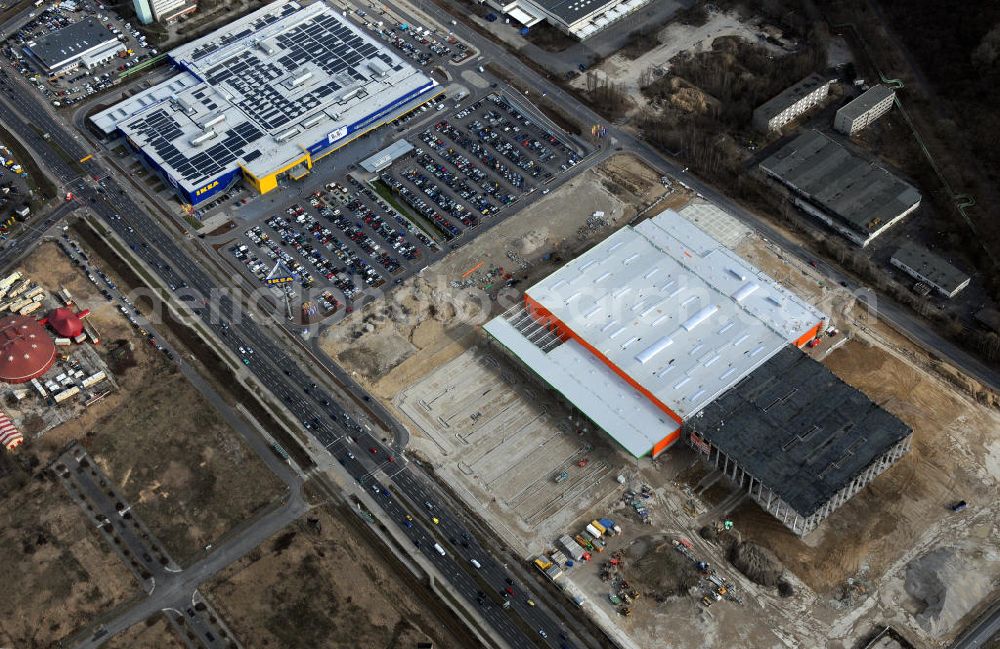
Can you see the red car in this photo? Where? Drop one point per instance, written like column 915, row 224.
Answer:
column 373, row 450
column 392, row 459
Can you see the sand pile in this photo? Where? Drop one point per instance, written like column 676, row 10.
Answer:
column 947, row 586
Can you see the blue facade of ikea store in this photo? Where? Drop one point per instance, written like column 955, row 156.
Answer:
column 226, row 180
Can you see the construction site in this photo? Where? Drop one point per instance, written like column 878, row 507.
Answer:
column 187, row 473
column 685, row 523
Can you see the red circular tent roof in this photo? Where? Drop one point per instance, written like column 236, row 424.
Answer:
column 66, row 323
column 26, row 350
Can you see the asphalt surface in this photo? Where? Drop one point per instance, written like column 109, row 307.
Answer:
column 537, row 85
column 982, row 630
column 269, row 362
column 140, row 541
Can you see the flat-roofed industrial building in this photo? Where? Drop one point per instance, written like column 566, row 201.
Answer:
column 855, row 197
column 263, row 97
column 578, row 18
column 924, row 266
column 864, row 109
column 649, row 326
column 87, row 43
column 799, row 440
column 795, row 100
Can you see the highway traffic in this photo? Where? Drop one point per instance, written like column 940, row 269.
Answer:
column 314, row 407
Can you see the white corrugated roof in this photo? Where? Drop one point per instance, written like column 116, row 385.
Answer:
column 671, row 308
column 599, row 393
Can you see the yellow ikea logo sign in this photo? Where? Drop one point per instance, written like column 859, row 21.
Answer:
column 206, row 188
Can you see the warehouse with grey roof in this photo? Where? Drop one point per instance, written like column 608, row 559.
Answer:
column 930, row 269
column 86, row 43
column 855, row 197
column 799, row 440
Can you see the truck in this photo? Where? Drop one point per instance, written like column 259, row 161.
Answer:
column 584, row 542
column 610, row 526
column 574, row 549
column 600, row 528
column 594, row 532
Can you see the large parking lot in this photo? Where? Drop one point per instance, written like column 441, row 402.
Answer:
column 366, row 231
column 419, row 44
column 475, row 164
column 77, row 84
column 345, row 236
column 512, row 448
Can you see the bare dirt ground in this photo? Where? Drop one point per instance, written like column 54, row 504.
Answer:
column 154, row 633
column 188, row 474
column 893, row 554
column 58, row 573
column 675, row 38
column 322, row 589
column 429, row 320
column 491, row 429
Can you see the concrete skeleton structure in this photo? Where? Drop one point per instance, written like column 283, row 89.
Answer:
column 864, row 109
column 265, row 96
column 87, row 43
column 798, row 439
column 926, row 267
column 578, row 18
column 855, row 197
column 649, row 326
column 149, row 11
column 773, row 114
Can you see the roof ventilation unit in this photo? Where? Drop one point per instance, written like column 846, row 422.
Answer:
column 198, row 140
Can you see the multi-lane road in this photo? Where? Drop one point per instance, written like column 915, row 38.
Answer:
column 538, row 86
column 274, row 367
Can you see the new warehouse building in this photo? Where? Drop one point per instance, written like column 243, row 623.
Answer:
column 800, row 441
column 87, row 42
column 265, row 96
column 650, row 326
column 578, row 18
column 855, row 197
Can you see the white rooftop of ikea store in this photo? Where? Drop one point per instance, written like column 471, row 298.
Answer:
column 669, row 307
column 260, row 90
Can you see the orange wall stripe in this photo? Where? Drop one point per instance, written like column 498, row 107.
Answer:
column 809, row 335
column 545, row 316
column 666, row 442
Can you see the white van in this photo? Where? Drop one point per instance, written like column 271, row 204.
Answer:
column 476, row 564
column 440, row 550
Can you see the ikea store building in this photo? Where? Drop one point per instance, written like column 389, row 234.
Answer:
column 269, row 94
